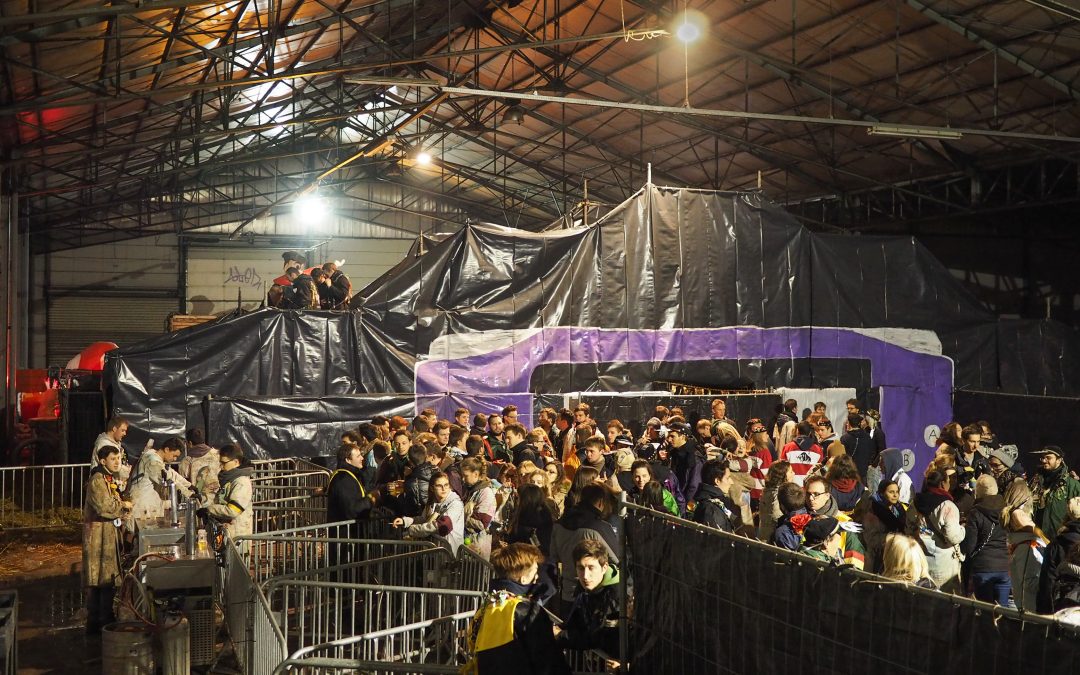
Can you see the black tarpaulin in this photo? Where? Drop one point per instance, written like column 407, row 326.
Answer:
column 631, row 300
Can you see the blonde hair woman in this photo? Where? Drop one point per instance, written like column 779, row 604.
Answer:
column 905, row 561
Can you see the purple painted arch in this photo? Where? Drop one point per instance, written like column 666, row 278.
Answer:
column 916, row 384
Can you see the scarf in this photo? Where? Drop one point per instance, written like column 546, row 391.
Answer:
column 892, row 517
column 110, row 480
column 845, row 484
column 197, row 451
column 941, row 492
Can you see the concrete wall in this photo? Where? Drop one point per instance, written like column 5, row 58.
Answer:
column 123, row 291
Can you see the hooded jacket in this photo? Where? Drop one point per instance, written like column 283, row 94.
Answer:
column 714, row 509
column 686, row 465
column 788, row 533
column 892, row 460
column 986, row 546
column 937, row 520
column 444, row 519
column 593, row 619
column 861, row 448
column 417, row 487
column 846, row 493
column 346, row 498
column 580, row 522
column 232, row 503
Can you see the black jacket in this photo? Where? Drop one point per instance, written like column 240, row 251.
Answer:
column 417, row 486
column 861, row 448
column 986, row 535
column 523, row 451
column 538, row 522
column 713, row 508
column 586, row 516
column 301, row 294
column 345, row 497
column 1049, row 576
column 593, row 620
column 533, row 650
column 339, row 290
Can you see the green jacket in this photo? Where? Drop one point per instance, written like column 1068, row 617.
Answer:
column 1051, row 495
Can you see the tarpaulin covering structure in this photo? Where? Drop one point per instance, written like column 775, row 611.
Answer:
column 709, row 602
column 721, row 289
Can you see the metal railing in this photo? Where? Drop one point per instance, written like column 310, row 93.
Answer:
column 411, row 648
column 42, row 496
column 248, row 616
column 270, row 555
column 472, row 572
column 433, row 567
column 310, row 613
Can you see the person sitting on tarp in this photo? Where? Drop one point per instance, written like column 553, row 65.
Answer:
column 301, row 294
column 290, row 260
column 340, row 287
column 512, row 632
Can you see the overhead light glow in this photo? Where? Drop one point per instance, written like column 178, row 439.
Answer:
column 690, row 26
column 310, row 209
column 423, row 158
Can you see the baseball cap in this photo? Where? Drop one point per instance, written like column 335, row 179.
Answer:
column 1048, row 450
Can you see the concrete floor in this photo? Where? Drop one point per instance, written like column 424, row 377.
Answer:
column 50, row 636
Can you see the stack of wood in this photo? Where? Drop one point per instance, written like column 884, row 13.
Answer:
column 182, row 321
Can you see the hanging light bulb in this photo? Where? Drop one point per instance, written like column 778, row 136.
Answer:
column 423, row 158
column 690, row 26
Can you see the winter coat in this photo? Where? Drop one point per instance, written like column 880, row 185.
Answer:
column 302, row 294
column 846, row 492
column 664, row 475
column 147, row 486
column 346, row 498
column 593, row 620
column 339, row 290
column 986, row 544
column 101, row 535
column 444, row 519
column 714, row 509
column 769, row 513
column 513, row 634
column 1027, row 550
column 686, row 465
column 538, row 523
column 523, row 451
column 788, row 532
column 479, row 512
column 201, row 466
column 879, row 521
column 937, row 521
column 893, row 469
column 417, row 487
column 232, row 506
column 861, row 448
column 1051, row 495
column 580, row 522
column 1055, row 556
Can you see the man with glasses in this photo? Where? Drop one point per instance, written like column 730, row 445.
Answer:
column 1052, row 488
column 820, row 503
column 231, row 506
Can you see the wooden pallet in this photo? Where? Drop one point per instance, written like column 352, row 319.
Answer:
column 182, row 321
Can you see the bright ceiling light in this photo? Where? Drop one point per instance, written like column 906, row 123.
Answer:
column 310, row 209
column 423, row 158
column 690, row 26
column 913, row 132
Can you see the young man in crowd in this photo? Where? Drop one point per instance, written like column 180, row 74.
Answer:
column 496, row 441
column 713, row 506
column 593, row 619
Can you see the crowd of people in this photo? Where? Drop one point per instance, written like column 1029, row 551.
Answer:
column 299, row 287
column 972, row 524
column 542, row 504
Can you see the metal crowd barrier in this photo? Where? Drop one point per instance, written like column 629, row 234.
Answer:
column 270, row 555
column 411, row 648
column 315, row 612
column 258, row 643
column 39, row 496
column 473, row 573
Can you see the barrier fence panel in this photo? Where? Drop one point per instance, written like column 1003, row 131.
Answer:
column 473, row 573
column 257, row 641
column 270, row 555
column 431, row 567
column 42, row 496
column 432, row 646
column 315, row 612
column 709, row 602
